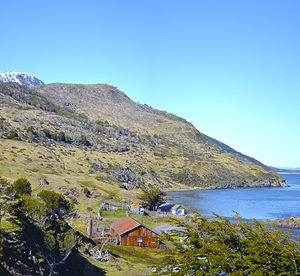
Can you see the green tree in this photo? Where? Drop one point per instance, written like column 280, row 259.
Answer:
column 55, row 202
column 21, row 187
column 40, row 242
column 152, row 198
column 34, row 239
column 219, row 247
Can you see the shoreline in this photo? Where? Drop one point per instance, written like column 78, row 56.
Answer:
column 260, row 186
column 286, row 220
column 292, row 223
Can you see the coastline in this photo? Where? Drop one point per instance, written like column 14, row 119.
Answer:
column 292, row 223
column 278, row 215
column 226, row 187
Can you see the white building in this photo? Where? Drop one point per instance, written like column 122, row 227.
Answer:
column 178, row 210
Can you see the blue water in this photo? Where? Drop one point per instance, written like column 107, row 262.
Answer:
column 258, row 203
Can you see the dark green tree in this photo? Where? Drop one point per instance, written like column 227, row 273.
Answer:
column 40, row 242
column 152, row 198
column 220, row 247
column 20, row 187
column 55, row 202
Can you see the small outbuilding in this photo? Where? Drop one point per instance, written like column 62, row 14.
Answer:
column 130, row 232
column 136, row 209
column 178, row 210
column 166, row 207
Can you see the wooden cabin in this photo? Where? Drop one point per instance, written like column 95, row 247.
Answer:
column 130, row 232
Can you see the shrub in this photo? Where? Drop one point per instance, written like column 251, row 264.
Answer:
column 21, row 187
column 30, row 129
column 3, row 181
column 13, row 135
column 84, row 141
column 54, row 201
column 46, row 132
column 86, row 192
column 61, row 136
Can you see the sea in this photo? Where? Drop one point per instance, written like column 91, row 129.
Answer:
column 250, row 203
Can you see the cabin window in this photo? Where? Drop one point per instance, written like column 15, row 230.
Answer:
column 153, row 234
column 139, row 239
column 144, row 232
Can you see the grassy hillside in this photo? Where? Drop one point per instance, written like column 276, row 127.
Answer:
column 96, row 131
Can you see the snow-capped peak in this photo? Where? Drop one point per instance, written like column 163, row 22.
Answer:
column 21, row 78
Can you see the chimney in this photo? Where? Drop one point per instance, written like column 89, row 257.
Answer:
column 89, row 230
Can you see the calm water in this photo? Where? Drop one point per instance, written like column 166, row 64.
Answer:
column 258, row 203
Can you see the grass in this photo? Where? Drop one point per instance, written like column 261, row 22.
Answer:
column 88, row 184
column 117, row 214
column 141, row 254
column 129, row 260
column 80, row 224
column 153, row 221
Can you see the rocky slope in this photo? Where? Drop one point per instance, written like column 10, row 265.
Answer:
column 20, row 78
column 117, row 141
column 290, row 222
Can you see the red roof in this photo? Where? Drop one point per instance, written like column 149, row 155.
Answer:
column 134, row 205
column 124, row 225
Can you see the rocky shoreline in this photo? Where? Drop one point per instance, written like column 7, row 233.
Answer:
column 279, row 184
column 290, row 223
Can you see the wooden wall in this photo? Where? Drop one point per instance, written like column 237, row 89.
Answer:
column 140, row 237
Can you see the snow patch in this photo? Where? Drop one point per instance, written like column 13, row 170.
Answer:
column 20, row 78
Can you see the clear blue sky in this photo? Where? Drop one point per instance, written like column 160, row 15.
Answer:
column 232, row 68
